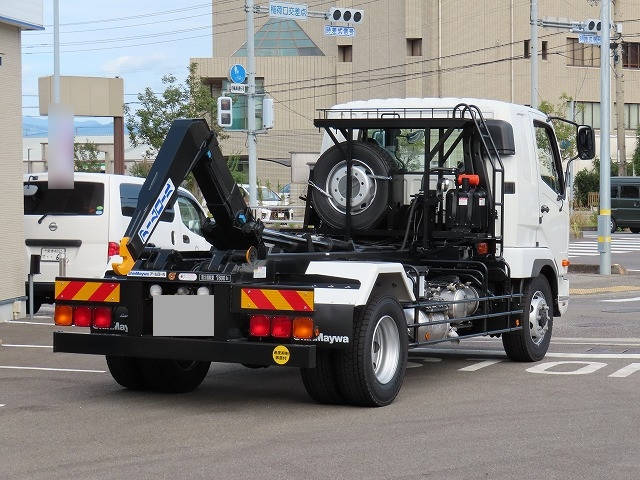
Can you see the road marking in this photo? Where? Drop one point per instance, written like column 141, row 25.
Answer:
column 479, row 365
column 622, row 300
column 31, row 323
column 500, row 353
column 3, row 405
column 618, row 288
column 11, row 367
column 587, row 367
column 626, row 371
column 25, row 346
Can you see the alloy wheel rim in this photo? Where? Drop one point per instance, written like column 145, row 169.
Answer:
column 385, row 349
column 538, row 317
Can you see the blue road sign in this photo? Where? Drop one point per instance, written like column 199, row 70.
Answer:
column 237, row 73
column 337, row 31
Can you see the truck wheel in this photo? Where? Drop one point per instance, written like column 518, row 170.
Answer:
column 321, row 383
column 126, row 371
column 530, row 344
column 371, row 370
column 614, row 225
column 173, row 376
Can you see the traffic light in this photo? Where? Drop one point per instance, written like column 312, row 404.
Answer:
column 593, row 25
column 349, row 15
column 225, row 112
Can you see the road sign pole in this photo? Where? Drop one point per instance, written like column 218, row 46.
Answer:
column 534, row 53
column 604, row 219
column 252, row 148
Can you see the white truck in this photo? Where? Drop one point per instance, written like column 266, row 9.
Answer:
column 427, row 221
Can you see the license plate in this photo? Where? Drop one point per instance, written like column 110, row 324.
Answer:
column 280, row 214
column 51, row 254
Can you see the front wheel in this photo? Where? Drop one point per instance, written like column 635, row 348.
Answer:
column 613, row 225
column 371, row 370
column 530, row 344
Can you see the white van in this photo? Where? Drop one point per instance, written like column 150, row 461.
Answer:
column 86, row 224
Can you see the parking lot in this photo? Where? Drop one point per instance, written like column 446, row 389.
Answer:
column 463, row 412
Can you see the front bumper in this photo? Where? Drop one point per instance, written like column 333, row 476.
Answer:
column 177, row 348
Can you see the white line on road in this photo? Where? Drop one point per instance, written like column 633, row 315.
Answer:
column 25, row 346
column 626, row 371
column 622, row 300
column 10, row 367
column 2, row 405
column 479, row 365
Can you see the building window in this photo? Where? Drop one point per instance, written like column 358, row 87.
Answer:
column 544, row 50
column 588, row 113
column 527, row 49
column 631, row 116
column 414, row 47
column 345, row 53
column 631, row 55
column 582, row 55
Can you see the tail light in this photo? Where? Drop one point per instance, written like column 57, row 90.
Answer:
column 303, row 327
column 82, row 316
column 482, row 248
column 63, row 315
column 113, row 249
column 102, row 317
column 259, row 325
column 281, row 327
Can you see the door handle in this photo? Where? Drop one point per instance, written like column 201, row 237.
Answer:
column 185, row 239
column 544, row 209
column 173, row 237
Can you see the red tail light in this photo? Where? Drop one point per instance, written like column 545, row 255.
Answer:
column 281, row 327
column 82, row 316
column 259, row 325
column 102, row 317
column 113, row 249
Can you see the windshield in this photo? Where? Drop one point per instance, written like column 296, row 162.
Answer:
column 408, row 145
column 268, row 195
column 86, row 198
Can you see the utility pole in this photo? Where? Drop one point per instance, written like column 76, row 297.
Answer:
column 604, row 219
column 56, row 52
column 252, row 147
column 619, row 73
column 533, row 47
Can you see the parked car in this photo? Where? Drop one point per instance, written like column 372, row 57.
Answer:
column 85, row 225
column 272, row 207
column 625, row 203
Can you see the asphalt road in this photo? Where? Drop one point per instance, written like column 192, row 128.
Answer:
column 463, row 413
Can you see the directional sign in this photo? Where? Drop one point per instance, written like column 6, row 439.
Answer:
column 237, row 73
column 295, row 11
column 590, row 39
column 335, row 31
column 237, row 88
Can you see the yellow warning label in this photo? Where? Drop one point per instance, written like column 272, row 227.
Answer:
column 281, row 354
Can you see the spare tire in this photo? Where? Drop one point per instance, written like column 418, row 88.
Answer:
column 370, row 189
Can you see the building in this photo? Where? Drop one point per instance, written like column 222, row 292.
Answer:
column 14, row 18
column 416, row 48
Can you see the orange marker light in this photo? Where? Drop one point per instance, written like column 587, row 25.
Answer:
column 482, row 248
column 566, row 263
column 63, row 315
column 303, row 327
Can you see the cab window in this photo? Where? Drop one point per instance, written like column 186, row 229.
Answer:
column 129, row 201
column 548, row 159
column 629, row 191
column 191, row 215
column 614, row 191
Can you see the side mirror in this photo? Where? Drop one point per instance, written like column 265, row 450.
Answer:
column 586, row 143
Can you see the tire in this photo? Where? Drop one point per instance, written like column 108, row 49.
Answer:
column 126, row 371
column 173, row 376
column 381, row 324
column 634, row 229
column 321, row 383
column 614, row 225
column 530, row 344
column 370, row 195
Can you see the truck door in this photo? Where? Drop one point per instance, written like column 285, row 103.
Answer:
column 553, row 210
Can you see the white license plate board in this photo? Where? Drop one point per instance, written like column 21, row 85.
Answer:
column 183, row 316
column 51, row 254
column 280, row 214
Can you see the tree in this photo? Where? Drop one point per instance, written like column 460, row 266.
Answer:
column 565, row 132
column 140, row 169
column 149, row 124
column 636, row 153
column 86, row 157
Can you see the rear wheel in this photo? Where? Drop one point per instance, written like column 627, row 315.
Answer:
column 173, row 376
column 126, row 371
column 530, row 344
column 371, row 370
column 634, row 229
column 321, row 383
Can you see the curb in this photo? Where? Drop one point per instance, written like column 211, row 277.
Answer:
column 616, row 268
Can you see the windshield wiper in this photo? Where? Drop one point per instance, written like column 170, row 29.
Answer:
column 54, row 213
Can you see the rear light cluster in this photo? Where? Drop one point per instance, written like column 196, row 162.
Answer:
column 96, row 317
column 281, row 326
column 113, row 249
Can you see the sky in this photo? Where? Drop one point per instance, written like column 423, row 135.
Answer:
column 139, row 40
